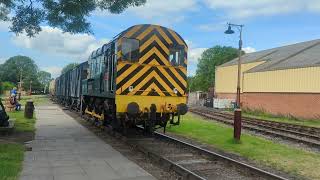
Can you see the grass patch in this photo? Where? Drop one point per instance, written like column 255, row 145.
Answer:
column 11, row 157
column 266, row 152
column 260, row 114
column 280, row 118
column 11, row 147
column 21, row 123
column 37, row 99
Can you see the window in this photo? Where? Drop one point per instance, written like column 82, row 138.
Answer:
column 176, row 56
column 130, row 50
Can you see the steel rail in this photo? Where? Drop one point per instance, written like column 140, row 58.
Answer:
column 222, row 157
column 257, row 129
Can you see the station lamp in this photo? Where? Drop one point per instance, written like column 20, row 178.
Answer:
column 237, row 111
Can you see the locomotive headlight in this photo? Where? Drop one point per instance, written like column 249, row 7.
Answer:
column 175, row 90
column 130, row 88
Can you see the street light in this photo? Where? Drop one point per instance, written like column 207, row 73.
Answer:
column 237, row 111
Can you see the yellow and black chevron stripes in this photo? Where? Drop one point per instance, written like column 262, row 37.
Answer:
column 144, row 78
column 153, row 37
column 153, row 75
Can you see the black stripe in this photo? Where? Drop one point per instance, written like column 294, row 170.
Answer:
column 133, row 73
column 141, row 30
column 139, row 80
column 145, row 86
column 152, row 45
column 154, row 32
column 152, row 57
column 181, row 39
column 166, row 80
column 162, row 88
column 170, row 36
column 181, row 74
column 123, row 69
column 175, row 79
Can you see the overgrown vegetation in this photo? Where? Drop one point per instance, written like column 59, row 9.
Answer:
column 262, row 151
column 260, row 114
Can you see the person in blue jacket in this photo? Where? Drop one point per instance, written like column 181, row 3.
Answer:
column 14, row 91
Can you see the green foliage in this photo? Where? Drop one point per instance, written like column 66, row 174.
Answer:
column 7, row 85
column 11, row 157
column 69, row 67
column 13, row 66
column 44, row 78
column 68, row 15
column 10, row 72
column 268, row 153
column 208, row 61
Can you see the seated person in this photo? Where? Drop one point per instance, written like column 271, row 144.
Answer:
column 14, row 101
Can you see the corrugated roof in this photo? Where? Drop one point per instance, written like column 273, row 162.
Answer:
column 304, row 54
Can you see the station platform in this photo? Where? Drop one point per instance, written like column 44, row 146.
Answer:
column 65, row 150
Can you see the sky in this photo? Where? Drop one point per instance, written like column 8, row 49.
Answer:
column 267, row 24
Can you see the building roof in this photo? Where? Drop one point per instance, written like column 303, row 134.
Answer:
column 304, row 54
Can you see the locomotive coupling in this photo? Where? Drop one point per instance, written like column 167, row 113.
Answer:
column 182, row 109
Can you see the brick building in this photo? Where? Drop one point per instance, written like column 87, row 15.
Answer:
column 283, row 80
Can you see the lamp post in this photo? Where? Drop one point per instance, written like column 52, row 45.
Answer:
column 237, row 111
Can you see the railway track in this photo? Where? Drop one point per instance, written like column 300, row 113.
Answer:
column 309, row 136
column 194, row 162
column 188, row 160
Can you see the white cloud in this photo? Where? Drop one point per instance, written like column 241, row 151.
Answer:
column 249, row 8
column 54, row 41
column 249, row 49
column 156, row 8
column 195, row 54
column 55, row 71
column 2, row 60
column 213, row 27
column 163, row 12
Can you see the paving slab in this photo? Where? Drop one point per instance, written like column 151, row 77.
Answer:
column 63, row 149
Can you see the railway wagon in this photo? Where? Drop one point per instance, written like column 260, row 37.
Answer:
column 138, row 78
column 68, row 86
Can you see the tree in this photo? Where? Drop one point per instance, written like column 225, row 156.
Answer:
column 210, row 58
column 68, row 15
column 44, row 79
column 10, row 71
column 6, row 86
column 69, row 67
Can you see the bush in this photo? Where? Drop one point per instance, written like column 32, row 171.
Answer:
column 5, row 86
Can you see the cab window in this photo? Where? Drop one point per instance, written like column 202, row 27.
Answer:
column 176, row 56
column 130, row 50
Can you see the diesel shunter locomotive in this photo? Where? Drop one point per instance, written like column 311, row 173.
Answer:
column 138, row 78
